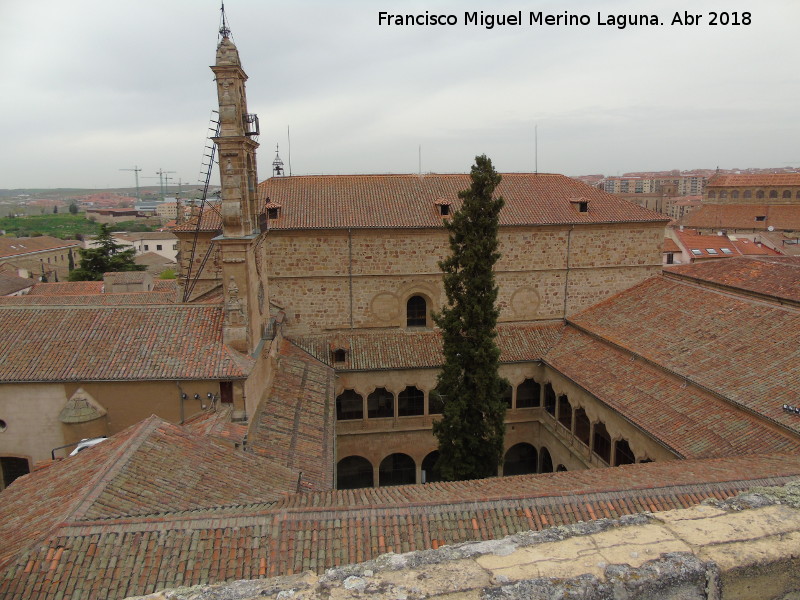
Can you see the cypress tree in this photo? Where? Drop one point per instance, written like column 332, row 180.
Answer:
column 472, row 428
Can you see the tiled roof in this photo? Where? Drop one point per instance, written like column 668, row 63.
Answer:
column 165, row 285
column 212, row 220
column 776, row 277
column 671, row 246
column 10, row 247
column 398, row 349
column 113, row 558
column 763, row 180
column 692, row 240
column 75, row 343
column 689, row 421
column 745, row 350
column 10, row 283
column 78, row 288
column 152, row 467
column 750, row 248
column 743, row 216
column 123, row 277
column 90, row 300
column 376, row 201
column 293, row 424
column 152, row 258
column 217, row 424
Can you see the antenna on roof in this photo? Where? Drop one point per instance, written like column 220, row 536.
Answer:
column 289, row 140
column 536, row 149
column 224, row 30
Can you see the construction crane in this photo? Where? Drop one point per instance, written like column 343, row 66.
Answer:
column 135, row 170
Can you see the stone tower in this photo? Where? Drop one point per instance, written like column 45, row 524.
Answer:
column 245, row 310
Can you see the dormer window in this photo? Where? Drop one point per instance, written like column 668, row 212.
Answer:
column 339, row 355
column 273, row 209
column 444, row 209
column 580, row 204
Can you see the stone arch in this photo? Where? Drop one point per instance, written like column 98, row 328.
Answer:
column 529, row 393
column 760, row 194
column 349, row 405
column 787, row 193
column 735, row 194
column 354, row 472
column 397, row 469
column 565, row 411
column 545, row 461
column 525, row 303
column 601, row 442
column 773, row 193
column 748, row 194
column 11, row 468
column 550, row 399
column 380, row 404
column 411, row 402
column 582, row 425
column 429, row 471
column 623, row 455
column 520, row 459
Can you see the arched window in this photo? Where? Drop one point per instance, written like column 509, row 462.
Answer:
column 565, row 411
column 735, row 194
column 712, row 194
column 723, row 194
column 397, row 469
column 549, row 399
column 748, row 193
column 601, row 445
column 416, row 312
column 520, row 459
column 411, row 402
column 353, row 472
column 429, row 471
column 760, row 194
column 582, row 426
column 787, row 193
column 507, row 395
column 547, row 461
column 380, row 404
column 528, row 393
column 773, row 193
column 797, row 195
column 623, row 455
column 349, row 405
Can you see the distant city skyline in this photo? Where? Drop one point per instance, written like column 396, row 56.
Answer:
column 92, row 88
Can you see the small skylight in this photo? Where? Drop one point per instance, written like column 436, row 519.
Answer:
column 726, row 250
column 711, row 251
column 697, row 252
column 761, row 217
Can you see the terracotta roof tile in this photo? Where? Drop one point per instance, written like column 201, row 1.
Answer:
column 125, row 277
column 99, row 343
column 776, row 277
column 10, row 283
column 690, row 421
column 115, row 558
column 293, row 424
column 745, row 350
column 11, row 247
column 81, row 288
column 400, row 349
column 391, row 201
column 211, row 220
column 765, row 180
column 671, row 246
column 92, row 300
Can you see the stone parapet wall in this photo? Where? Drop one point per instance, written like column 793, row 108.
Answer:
column 745, row 548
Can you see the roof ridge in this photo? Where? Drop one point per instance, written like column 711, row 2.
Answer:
column 117, row 461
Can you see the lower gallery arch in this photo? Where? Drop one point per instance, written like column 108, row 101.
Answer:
column 520, row 459
column 546, row 461
column 429, row 471
column 397, row 469
column 354, row 472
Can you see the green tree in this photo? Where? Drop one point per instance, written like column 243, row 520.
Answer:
column 71, row 263
column 106, row 257
column 472, row 428
column 73, row 208
column 55, row 209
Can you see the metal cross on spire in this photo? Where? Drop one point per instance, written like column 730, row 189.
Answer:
column 224, row 30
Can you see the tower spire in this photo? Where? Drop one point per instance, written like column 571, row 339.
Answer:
column 224, row 30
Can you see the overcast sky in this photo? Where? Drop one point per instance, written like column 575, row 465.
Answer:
column 93, row 86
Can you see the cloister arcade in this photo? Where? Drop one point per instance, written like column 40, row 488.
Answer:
column 550, row 425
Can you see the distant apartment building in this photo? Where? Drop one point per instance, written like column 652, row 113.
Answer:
column 163, row 243
column 672, row 185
